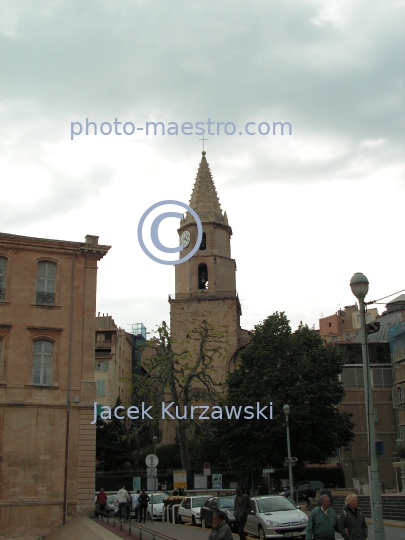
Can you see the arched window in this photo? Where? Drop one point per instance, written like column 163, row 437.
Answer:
column 46, row 281
column 203, row 244
column 42, row 363
column 202, row 276
column 3, row 266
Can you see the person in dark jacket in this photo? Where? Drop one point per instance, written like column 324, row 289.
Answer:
column 242, row 509
column 352, row 524
column 220, row 528
column 143, row 500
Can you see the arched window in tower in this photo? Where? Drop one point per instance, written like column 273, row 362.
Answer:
column 202, row 276
column 203, row 244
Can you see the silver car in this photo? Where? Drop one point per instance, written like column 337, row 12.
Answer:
column 274, row 516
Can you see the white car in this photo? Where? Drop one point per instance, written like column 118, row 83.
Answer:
column 274, row 516
column 190, row 509
column 158, row 506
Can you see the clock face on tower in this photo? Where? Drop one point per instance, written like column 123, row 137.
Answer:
column 185, row 238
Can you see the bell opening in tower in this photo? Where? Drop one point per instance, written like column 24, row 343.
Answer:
column 202, row 276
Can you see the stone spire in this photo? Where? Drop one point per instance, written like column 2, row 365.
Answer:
column 204, row 198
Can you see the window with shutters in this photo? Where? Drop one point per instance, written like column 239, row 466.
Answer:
column 42, row 363
column 100, row 388
column 101, row 366
column 46, row 283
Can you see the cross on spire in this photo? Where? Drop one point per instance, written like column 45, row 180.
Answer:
column 203, row 141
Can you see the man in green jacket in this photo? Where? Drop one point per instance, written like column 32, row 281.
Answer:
column 322, row 522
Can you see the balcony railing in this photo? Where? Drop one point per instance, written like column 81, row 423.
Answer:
column 103, row 344
column 45, row 298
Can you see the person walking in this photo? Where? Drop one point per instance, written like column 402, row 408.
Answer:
column 242, row 509
column 322, row 523
column 220, row 528
column 124, row 500
column 143, row 500
column 101, row 501
column 352, row 524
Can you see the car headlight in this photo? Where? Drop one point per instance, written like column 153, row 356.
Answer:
column 272, row 523
column 229, row 513
column 304, row 519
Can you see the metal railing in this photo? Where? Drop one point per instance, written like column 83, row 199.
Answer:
column 144, row 533
column 203, row 294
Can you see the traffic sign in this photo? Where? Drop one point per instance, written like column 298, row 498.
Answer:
column 268, row 471
column 207, row 472
column 151, row 471
column 290, row 460
column 151, row 460
column 286, row 464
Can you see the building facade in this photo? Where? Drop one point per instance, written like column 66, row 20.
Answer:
column 47, row 388
column 113, row 362
column 354, row 458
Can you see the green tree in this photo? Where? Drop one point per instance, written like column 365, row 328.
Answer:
column 281, row 367
column 117, row 442
column 174, row 373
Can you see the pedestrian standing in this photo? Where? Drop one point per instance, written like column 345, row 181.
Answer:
column 102, row 501
column 242, row 509
column 322, row 523
column 352, row 524
column 135, row 502
column 143, row 505
column 124, row 501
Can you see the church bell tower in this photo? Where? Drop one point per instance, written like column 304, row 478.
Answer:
column 206, row 283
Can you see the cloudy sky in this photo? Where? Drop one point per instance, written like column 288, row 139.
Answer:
column 307, row 209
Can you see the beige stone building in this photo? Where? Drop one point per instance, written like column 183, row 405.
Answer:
column 205, row 285
column 354, row 458
column 47, row 388
column 113, row 362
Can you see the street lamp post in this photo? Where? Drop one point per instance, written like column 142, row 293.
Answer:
column 401, row 450
column 154, row 441
column 359, row 286
column 286, row 410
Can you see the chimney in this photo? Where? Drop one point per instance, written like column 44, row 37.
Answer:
column 91, row 239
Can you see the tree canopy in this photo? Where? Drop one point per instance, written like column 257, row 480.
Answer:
column 284, row 367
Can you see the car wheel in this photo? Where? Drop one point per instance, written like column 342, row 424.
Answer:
column 193, row 521
column 203, row 524
column 261, row 533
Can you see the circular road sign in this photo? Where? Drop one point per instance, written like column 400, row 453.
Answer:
column 151, row 460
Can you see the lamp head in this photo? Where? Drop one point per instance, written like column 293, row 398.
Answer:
column 286, row 409
column 359, row 285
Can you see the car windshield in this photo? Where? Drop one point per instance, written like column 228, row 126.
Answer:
column 158, row 498
column 111, row 498
column 274, row 504
column 198, row 502
column 226, row 502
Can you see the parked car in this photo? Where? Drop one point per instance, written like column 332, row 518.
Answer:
column 226, row 504
column 305, row 490
column 274, row 516
column 190, row 509
column 158, row 506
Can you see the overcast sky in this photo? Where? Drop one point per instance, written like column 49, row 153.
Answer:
column 307, row 209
